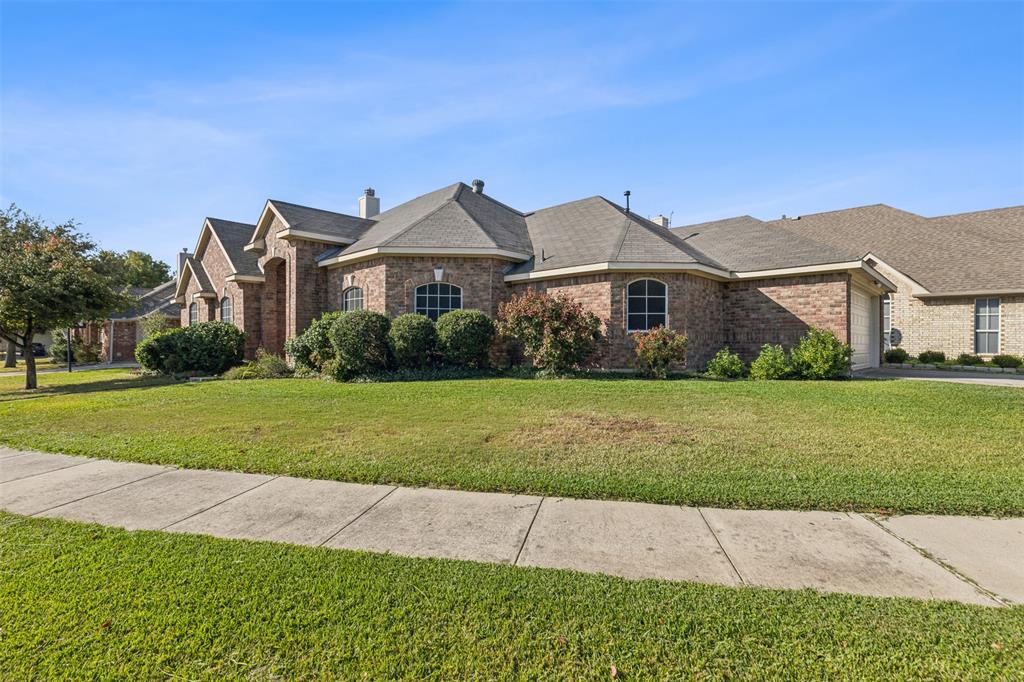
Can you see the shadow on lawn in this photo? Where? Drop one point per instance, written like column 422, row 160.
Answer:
column 119, row 384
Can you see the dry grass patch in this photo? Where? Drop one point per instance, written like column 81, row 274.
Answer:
column 575, row 430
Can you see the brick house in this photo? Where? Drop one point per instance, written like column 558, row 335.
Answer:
column 959, row 278
column 738, row 282
column 118, row 335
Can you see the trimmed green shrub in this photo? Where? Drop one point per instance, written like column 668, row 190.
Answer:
column 931, row 357
column 265, row 366
column 464, row 338
column 657, row 349
column 820, row 355
column 1010, row 361
column 968, row 359
column 207, row 347
column 771, row 363
column 413, row 340
column 312, row 350
column 557, row 333
column 726, row 364
column 154, row 323
column 360, row 341
column 896, row 356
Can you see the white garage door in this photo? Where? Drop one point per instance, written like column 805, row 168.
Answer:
column 864, row 337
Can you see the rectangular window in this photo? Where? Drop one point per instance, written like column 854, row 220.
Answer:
column 986, row 326
column 887, row 321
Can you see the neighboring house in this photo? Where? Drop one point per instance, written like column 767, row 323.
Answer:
column 458, row 248
column 959, row 278
column 119, row 334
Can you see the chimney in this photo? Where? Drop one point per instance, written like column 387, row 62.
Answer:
column 660, row 220
column 369, row 204
column 478, row 186
column 181, row 260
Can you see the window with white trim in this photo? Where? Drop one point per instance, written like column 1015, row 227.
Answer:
column 646, row 305
column 887, row 321
column 225, row 309
column 352, row 299
column 986, row 326
column 437, row 298
column 193, row 314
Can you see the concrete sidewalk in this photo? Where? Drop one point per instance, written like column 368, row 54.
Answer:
column 972, row 560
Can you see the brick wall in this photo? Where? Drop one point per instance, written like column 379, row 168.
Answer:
column 293, row 296
column 780, row 310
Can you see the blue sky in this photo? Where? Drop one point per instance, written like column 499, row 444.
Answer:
column 140, row 119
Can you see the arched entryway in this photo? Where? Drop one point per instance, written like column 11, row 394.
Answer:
column 275, row 301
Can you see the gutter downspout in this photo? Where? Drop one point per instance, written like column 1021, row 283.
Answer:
column 111, row 340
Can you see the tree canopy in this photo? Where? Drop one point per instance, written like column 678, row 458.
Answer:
column 50, row 278
column 132, row 268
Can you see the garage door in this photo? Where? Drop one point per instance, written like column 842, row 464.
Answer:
column 864, row 337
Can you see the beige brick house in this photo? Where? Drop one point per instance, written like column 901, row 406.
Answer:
column 738, row 282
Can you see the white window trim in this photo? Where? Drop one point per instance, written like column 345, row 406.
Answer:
column 193, row 313
column 988, row 317
column 415, row 294
column 645, row 279
column 231, row 309
column 362, row 298
column 886, row 322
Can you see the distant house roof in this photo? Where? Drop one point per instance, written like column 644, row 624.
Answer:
column 158, row 299
column 953, row 254
column 595, row 230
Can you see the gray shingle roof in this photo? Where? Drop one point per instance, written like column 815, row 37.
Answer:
column 234, row 236
column 453, row 217
column 199, row 272
column 745, row 244
column 347, row 227
column 595, row 230
column 159, row 298
column 952, row 254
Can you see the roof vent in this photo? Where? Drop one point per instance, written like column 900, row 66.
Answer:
column 790, row 217
column 478, row 186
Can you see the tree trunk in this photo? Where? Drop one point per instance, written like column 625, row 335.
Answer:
column 30, row 359
column 12, row 355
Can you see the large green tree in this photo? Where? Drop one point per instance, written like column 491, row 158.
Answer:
column 50, row 278
column 133, row 268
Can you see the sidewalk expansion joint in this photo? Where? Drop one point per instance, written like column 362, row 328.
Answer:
column 935, row 560
column 358, row 516
column 50, row 471
column 226, row 499
column 100, row 492
column 721, row 546
column 526, row 537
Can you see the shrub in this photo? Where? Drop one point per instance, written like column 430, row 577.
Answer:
column 726, row 364
column 968, row 359
column 312, row 350
column 657, row 349
column 820, row 355
column 207, row 347
column 932, row 356
column 464, row 338
column 59, row 347
column 265, row 366
column 896, row 355
column 1007, row 361
column 413, row 340
column 87, row 352
column 557, row 333
column 154, row 323
column 360, row 341
column 771, row 363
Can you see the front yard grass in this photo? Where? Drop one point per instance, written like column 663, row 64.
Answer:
column 902, row 446
column 90, row 602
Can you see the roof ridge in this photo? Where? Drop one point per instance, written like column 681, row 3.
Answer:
column 840, row 210
column 565, row 203
column 313, row 208
column 966, row 213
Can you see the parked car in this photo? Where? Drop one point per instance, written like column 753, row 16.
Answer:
column 38, row 350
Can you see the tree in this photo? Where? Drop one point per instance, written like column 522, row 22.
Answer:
column 132, row 269
column 11, row 358
column 50, row 278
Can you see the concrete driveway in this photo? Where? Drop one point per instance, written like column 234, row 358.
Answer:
column 986, row 379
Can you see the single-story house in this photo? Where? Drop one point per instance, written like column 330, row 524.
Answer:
column 959, row 278
column 737, row 282
column 118, row 335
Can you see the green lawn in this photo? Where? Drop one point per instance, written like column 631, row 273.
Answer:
column 84, row 601
column 891, row 445
column 41, row 363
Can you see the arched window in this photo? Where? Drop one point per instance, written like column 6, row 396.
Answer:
column 225, row 309
column 193, row 314
column 646, row 303
column 437, row 298
column 352, row 299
